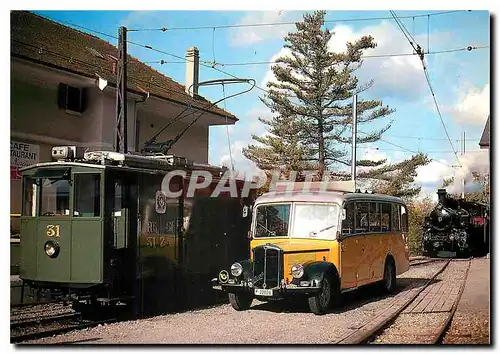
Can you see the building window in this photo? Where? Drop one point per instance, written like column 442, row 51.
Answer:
column 72, row 99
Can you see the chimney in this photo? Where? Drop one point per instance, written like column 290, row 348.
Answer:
column 442, row 196
column 192, row 71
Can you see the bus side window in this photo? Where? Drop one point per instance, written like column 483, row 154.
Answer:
column 374, row 217
column 385, row 222
column 361, row 212
column 404, row 218
column 395, row 218
column 348, row 223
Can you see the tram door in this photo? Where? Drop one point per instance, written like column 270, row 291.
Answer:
column 121, row 221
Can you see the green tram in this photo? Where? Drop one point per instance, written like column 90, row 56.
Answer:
column 96, row 229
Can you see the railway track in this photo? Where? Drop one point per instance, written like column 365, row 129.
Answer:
column 59, row 329
column 33, row 322
column 376, row 326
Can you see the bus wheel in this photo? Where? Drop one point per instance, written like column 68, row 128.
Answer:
column 389, row 282
column 240, row 302
column 320, row 303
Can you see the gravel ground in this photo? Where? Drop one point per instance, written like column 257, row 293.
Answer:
column 471, row 322
column 420, row 328
column 264, row 323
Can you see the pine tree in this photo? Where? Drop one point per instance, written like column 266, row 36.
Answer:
column 312, row 105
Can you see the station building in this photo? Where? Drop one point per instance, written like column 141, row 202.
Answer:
column 63, row 92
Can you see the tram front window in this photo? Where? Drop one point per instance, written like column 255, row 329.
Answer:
column 54, row 195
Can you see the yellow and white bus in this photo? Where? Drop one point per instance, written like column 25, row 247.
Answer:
column 319, row 243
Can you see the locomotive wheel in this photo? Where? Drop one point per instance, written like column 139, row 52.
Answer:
column 240, row 302
column 389, row 282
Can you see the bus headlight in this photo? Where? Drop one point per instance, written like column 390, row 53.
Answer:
column 51, row 249
column 236, row 269
column 297, row 271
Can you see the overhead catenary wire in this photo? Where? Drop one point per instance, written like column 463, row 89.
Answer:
column 213, row 65
column 242, row 25
column 406, row 149
column 427, row 138
column 421, row 55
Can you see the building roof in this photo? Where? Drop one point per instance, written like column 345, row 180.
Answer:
column 485, row 138
column 49, row 43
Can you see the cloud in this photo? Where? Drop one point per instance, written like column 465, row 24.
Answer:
column 473, row 107
column 401, row 76
column 243, row 166
column 244, row 36
column 431, row 176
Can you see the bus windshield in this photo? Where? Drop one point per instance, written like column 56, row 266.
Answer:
column 315, row 221
column 309, row 220
column 272, row 220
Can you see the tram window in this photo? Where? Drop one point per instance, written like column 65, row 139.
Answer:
column 87, row 196
column 30, row 188
column 374, row 217
column 54, row 195
column 361, row 212
column 117, row 205
column 404, row 218
column 385, row 220
column 348, row 223
column 395, row 218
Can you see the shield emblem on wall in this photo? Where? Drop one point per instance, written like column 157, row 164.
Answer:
column 161, row 202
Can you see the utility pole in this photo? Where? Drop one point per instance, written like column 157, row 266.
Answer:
column 463, row 153
column 354, row 128
column 121, row 93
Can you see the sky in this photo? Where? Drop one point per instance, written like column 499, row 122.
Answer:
column 460, row 79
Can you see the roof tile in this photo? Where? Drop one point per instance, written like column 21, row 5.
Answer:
column 42, row 40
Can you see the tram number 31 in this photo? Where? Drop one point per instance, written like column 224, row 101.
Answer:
column 156, row 242
column 53, row 230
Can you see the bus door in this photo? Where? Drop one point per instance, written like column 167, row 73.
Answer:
column 350, row 248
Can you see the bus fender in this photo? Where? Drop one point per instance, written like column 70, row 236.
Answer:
column 316, row 271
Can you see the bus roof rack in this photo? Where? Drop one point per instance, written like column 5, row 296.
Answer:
column 324, row 186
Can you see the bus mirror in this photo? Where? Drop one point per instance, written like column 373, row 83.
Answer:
column 245, row 211
column 343, row 214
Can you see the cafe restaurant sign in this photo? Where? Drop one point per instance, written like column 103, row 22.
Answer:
column 22, row 155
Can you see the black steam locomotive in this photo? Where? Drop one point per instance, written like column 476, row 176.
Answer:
column 456, row 227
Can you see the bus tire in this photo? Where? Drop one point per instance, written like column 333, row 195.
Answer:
column 329, row 294
column 240, row 302
column 389, row 281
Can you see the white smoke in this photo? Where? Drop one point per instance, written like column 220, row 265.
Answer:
column 472, row 162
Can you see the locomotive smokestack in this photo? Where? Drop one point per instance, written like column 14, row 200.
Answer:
column 441, row 196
